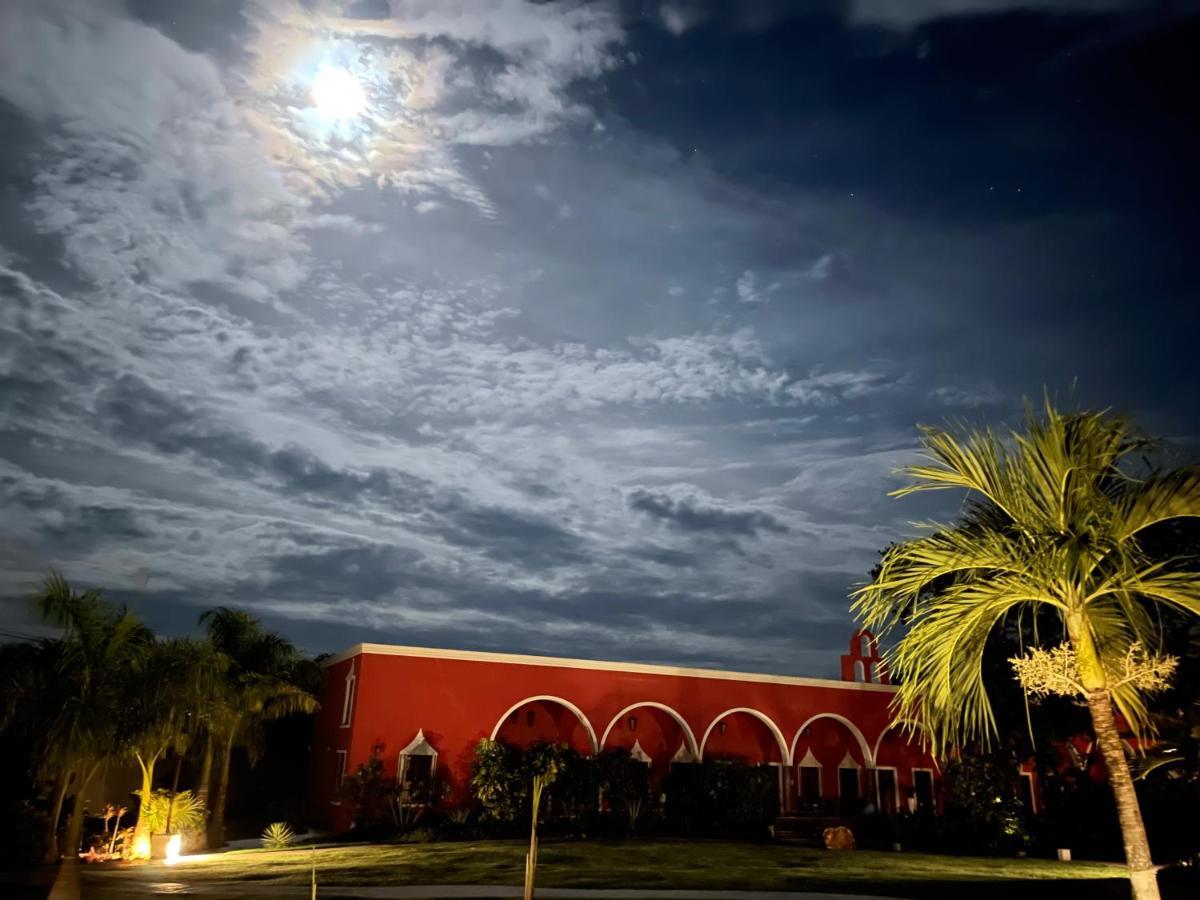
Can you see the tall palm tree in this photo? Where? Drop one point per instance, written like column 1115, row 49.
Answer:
column 99, row 654
column 259, row 686
column 1055, row 526
column 178, row 682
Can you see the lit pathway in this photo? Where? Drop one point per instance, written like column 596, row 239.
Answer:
column 232, row 889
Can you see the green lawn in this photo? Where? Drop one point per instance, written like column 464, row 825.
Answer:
column 711, row 865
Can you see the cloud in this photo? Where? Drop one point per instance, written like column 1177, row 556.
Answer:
column 687, row 513
column 912, row 12
column 437, row 77
column 150, row 175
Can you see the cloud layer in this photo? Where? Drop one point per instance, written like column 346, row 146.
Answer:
column 573, row 342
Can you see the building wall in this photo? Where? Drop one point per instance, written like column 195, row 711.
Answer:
column 457, row 698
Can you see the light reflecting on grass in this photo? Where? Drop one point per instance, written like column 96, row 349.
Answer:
column 602, row 864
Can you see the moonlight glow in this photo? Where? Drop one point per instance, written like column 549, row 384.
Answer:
column 338, row 94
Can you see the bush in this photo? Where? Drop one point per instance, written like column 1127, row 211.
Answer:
column 278, row 836
column 983, row 813
column 722, row 799
column 184, row 811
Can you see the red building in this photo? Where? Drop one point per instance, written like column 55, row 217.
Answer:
column 829, row 740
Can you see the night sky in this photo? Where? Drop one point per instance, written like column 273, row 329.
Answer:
column 596, row 329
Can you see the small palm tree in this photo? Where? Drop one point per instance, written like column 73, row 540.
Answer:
column 1055, row 527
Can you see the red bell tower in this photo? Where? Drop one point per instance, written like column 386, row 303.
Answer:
column 863, row 662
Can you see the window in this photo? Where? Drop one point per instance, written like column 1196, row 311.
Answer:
column 339, row 773
column 848, row 783
column 810, row 782
column 923, row 786
column 348, row 698
column 888, row 789
column 415, row 771
column 860, row 671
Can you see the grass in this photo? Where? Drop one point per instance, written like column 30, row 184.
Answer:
column 649, row 864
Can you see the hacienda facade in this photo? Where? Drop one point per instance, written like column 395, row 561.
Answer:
column 831, row 741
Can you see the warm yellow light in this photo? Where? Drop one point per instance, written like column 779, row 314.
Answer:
column 141, row 847
column 174, row 844
column 337, row 94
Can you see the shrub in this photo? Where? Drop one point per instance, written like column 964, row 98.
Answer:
column 278, row 836
column 184, row 811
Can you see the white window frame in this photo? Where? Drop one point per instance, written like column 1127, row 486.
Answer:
column 684, row 755
column 639, row 753
column 1032, row 787
column 349, row 697
column 849, row 762
column 340, row 774
column 895, row 786
column 809, row 762
column 932, row 786
column 418, row 746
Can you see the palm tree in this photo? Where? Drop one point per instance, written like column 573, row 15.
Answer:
column 98, row 656
column 1054, row 528
column 259, row 685
column 178, row 680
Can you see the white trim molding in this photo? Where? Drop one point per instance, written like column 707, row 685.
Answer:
column 685, row 754
column 784, row 754
column 639, row 754
column 559, row 662
column 552, row 699
column 349, row 697
column 895, row 786
column 653, row 704
column 418, row 746
column 868, row 756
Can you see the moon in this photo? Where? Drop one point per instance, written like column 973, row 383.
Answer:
column 337, row 94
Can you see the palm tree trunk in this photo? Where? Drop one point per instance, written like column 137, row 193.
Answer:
column 141, row 831
column 216, row 826
column 1142, row 876
column 60, row 796
column 66, row 882
column 205, row 783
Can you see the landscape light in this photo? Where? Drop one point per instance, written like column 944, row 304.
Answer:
column 174, row 844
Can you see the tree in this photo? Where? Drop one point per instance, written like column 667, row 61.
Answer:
column 259, row 685
column 543, row 762
column 179, row 680
column 101, row 649
column 1056, row 520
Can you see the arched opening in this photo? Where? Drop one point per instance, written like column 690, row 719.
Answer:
column 546, row 719
column 860, row 671
column 748, row 736
column 905, row 771
column 744, row 734
column 656, row 730
column 831, row 752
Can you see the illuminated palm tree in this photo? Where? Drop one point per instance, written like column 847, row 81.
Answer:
column 95, row 667
column 178, row 680
column 259, row 686
column 1055, row 527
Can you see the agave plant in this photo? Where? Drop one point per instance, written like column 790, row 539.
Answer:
column 278, row 836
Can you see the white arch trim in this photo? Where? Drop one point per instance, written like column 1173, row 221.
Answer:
column 688, row 735
column 784, row 753
column 868, row 756
column 561, row 702
column 893, row 726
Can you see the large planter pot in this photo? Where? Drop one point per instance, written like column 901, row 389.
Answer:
column 164, row 846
